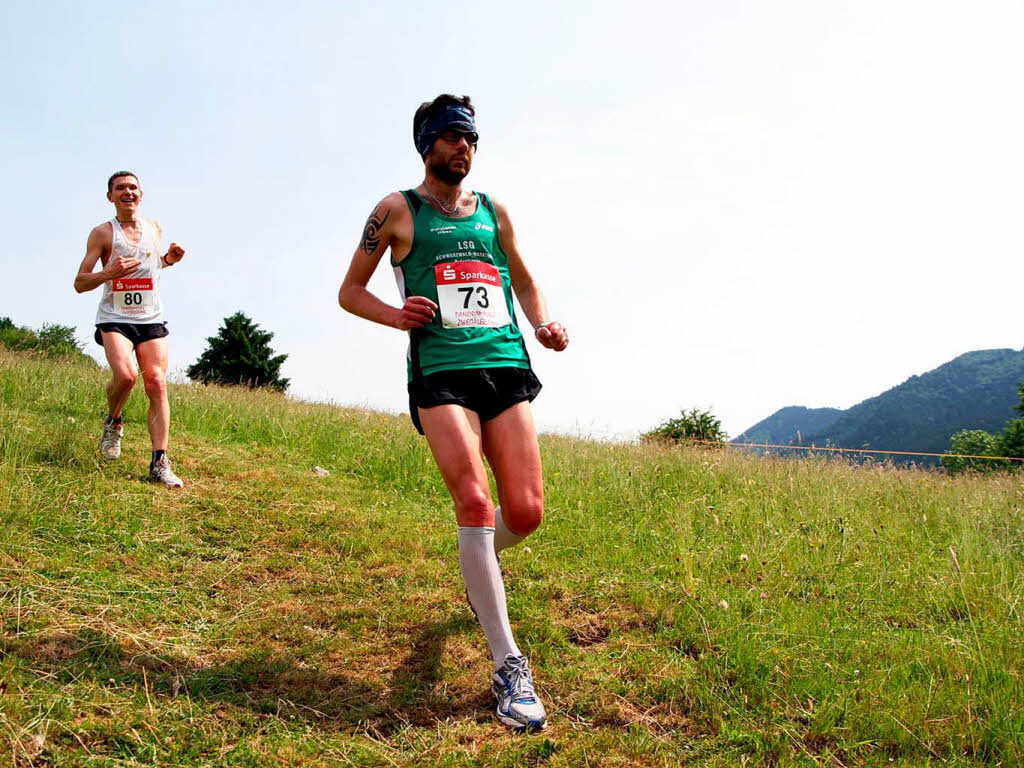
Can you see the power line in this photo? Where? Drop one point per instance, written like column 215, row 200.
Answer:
column 861, row 450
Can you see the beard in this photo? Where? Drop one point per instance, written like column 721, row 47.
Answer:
column 439, row 168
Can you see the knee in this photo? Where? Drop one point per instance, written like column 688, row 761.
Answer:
column 523, row 516
column 155, row 383
column 473, row 506
column 124, row 378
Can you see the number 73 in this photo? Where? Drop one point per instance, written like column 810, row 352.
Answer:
column 483, row 301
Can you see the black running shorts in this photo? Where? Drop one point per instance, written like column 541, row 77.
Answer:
column 136, row 333
column 487, row 391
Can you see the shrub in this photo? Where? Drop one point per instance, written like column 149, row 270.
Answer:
column 1011, row 442
column 17, row 338
column 974, row 442
column 51, row 340
column 58, row 340
column 694, row 425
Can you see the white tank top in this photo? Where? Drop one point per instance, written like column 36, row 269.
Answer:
column 134, row 298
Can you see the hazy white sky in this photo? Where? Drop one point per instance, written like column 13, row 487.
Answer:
column 733, row 205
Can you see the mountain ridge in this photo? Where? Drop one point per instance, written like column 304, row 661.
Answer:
column 975, row 390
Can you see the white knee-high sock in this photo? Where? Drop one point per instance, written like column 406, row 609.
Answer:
column 486, row 591
column 503, row 537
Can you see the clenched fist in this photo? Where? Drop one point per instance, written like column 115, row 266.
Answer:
column 119, row 267
column 175, row 253
column 553, row 335
column 417, row 312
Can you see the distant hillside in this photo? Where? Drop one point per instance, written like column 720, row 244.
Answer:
column 790, row 425
column 976, row 390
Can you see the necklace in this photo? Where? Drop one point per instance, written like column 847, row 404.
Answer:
column 445, row 209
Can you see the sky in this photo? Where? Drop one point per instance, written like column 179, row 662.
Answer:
column 734, row 206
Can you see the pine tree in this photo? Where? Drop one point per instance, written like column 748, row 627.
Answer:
column 240, row 353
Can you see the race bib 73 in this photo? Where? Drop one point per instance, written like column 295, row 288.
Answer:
column 470, row 295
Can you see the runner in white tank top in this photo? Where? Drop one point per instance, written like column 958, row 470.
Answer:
column 130, row 318
column 134, row 298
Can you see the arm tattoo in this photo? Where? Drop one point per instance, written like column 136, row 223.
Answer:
column 371, row 233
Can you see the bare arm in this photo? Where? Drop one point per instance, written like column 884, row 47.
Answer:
column 175, row 252
column 99, row 243
column 379, row 234
column 550, row 334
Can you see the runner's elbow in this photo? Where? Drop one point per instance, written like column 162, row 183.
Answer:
column 345, row 298
column 348, row 297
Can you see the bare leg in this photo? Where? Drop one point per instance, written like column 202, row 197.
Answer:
column 510, row 444
column 454, row 437
column 453, row 434
column 123, row 373
column 152, row 357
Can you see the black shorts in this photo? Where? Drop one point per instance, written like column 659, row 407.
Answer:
column 136, row 333
column 487, row 391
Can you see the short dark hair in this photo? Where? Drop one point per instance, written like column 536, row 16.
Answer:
column 110, row 181
column 444, row 100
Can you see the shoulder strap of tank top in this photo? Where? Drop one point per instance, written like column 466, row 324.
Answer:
column 149, row 231
column 487, row 203
column 115, row 229
column 413, row 199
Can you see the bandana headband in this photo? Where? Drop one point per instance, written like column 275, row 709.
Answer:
column 449, row 117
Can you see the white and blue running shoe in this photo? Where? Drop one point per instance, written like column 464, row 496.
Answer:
column 518, row 705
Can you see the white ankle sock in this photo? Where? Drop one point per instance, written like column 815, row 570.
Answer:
column 486, row 591
column 503, row 537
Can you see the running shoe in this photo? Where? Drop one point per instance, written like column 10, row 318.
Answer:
column 160, row 472
column 110, row 442
column 518, row 705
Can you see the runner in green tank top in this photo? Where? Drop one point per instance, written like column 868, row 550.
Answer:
column 459, row 264
column 470, row 382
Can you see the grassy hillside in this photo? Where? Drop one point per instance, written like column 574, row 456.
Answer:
column 679, row 606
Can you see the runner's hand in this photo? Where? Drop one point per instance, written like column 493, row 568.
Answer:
column 175, row 253
column 417, row 312
column 553, row 336
column 120, row 266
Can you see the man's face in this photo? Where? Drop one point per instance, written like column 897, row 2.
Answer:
column 451, row 157
column 125, row 193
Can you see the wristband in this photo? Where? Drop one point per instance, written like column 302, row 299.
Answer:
column 542, row 325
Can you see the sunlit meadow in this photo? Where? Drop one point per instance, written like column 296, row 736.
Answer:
column 679, row 606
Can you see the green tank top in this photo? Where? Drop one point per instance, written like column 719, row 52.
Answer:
column 460, row 265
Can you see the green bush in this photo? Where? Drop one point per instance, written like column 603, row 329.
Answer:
column 1011, row 442
column 974, row 442
column 19, row 339
column 58, row 340
column 52, row 340
column 694, row 425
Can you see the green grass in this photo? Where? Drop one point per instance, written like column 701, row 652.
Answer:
column 679, row 606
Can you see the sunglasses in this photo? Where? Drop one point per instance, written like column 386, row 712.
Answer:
column 452, row 136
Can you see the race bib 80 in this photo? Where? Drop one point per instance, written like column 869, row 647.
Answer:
column 133, row 295
column 470, row 295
